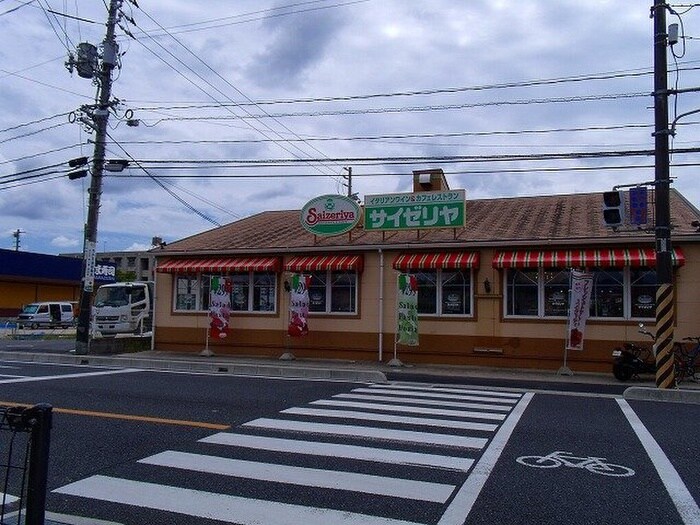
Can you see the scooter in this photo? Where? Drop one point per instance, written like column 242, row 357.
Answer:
column 633, row 359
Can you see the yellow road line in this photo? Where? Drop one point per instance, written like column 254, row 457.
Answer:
column 128, row 417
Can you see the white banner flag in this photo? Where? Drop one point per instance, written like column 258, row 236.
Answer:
column 579, row 307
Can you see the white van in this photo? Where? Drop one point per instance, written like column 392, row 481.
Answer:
column 49, row 314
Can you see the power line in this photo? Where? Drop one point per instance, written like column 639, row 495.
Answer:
column 163, row 186
column 198, row 58
column 174, row 29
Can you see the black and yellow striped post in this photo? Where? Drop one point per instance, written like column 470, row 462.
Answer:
column 665, row 377
column 664, row 275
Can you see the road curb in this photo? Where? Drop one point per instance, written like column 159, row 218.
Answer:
column 205, row 366
column 678, row 395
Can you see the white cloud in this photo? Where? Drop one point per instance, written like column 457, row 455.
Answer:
column 64, row 242
column 364, row 48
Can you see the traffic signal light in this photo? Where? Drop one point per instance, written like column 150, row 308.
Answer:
column 80, row 161
column 613, row 208
column 77, row 174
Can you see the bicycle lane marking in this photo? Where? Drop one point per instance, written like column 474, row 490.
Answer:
column 682, row 499
column 458, row 510
column 590, row 487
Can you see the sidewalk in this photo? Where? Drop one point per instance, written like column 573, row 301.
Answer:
column 362, row 371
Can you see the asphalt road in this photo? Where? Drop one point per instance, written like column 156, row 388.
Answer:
column 134, row 447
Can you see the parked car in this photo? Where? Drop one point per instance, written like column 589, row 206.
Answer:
column 49, row 314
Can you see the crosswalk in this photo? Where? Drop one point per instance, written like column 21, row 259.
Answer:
column 381, row 454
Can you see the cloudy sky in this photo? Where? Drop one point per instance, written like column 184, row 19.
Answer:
column 245, row 106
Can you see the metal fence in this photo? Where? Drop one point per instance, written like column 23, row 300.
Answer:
column 25, row 434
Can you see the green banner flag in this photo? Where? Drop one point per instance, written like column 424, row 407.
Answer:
column 407, row 304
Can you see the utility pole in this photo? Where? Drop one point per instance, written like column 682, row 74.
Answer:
column 349, row 179
column 97, row 121
column 16, row 235
column 351, row 195
column 664, row 272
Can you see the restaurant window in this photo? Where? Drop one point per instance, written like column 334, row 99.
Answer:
column 333, row 291
column 608, row 294
column 186, row 296
column 455, row 292
column 627, row 293
column 643, row 293
column 444, row 292
column 556, row 292
column 522, row 292
column 250, row 292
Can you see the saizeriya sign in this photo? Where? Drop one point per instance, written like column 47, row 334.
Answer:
column 330, row 215
column 409, row 211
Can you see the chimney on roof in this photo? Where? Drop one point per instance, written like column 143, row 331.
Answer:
column 429, row 180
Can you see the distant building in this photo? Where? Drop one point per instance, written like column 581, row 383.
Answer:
column 30, row 277
column 140, row 264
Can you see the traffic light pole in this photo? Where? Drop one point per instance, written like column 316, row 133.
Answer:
column 664, row 295
column 99, row 124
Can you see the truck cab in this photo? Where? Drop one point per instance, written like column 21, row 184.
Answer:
column 122, row 308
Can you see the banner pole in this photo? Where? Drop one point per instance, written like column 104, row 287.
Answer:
column 564, row 370
column 207, row 352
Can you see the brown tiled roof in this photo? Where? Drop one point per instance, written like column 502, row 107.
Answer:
column 519, row 221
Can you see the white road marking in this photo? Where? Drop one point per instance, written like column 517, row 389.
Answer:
column 369, row 416
column 436, row 395
column 308, row 477
column 461, row 505
column 432, row 402
column 405, row 436
column 318, row 448
column 7, row 498
column 454, row 390
column 412, row 409
column 682, row 499
column 10, row 376
column 29, row 379
column 222, row 507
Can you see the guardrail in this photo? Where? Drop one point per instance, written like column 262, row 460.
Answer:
column 25, row 435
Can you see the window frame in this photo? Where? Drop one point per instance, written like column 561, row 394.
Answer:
column 439, row 291
column 328, row 297
column 201, row 297
column 627, row 290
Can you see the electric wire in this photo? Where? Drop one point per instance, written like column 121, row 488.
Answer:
column 228, row 83
column 164, row 187
column 173, row 30
column 263, row 133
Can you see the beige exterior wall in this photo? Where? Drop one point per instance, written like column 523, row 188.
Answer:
column 487, row 338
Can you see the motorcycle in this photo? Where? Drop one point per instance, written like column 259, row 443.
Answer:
column 633, row 359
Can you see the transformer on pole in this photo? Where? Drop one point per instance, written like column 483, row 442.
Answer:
column 97, row 120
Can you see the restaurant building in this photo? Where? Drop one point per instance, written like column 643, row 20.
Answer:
column 492, row 291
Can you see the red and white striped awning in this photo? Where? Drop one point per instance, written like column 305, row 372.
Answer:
column 311, row 263
column 606, row 258
column 220, row 265
column 432, row 261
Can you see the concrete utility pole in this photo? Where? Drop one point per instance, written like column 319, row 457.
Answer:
column 16, row 235
column 99, row 118
column 349, row 179
column 665, row 377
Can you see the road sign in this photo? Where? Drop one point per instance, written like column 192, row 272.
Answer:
column 638, row 206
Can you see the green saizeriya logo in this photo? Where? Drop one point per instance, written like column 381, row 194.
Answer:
column 330, row 215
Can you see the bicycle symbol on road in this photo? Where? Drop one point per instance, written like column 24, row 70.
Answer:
column 567, row 459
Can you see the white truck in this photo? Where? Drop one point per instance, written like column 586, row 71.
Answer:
column 123, row 308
